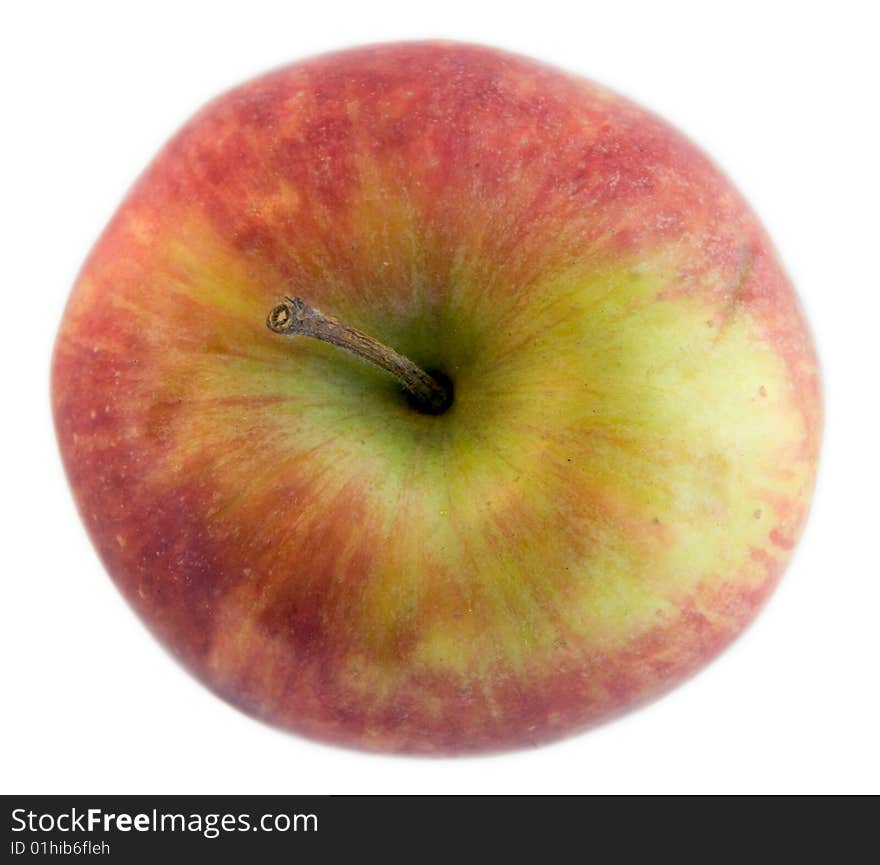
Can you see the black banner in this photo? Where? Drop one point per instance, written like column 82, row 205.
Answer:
column 410, row 829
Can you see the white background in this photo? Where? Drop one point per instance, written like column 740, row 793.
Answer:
column 785, row 97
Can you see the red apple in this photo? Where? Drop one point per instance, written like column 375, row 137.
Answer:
column 616, row 487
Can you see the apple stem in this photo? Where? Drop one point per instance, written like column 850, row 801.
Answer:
column 294, row 317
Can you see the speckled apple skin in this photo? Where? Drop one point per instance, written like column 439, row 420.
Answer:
column 621, row 479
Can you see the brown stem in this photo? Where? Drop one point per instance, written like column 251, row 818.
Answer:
column 294, row 317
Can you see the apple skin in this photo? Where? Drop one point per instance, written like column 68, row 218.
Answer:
column 614, row 493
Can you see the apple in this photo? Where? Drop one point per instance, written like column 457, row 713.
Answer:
column 609, row 484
